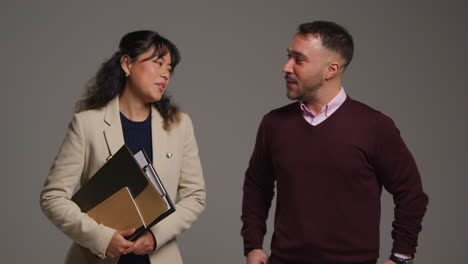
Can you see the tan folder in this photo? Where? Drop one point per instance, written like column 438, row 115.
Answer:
column 118, row 211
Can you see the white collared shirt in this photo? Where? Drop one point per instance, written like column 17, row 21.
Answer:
column 326, row 111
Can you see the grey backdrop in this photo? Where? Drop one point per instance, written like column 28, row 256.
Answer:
column 409, row 62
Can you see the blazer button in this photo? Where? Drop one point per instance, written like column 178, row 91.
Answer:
column 101, row 255
column 169, row 155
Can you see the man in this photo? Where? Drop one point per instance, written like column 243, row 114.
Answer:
column 329, row 156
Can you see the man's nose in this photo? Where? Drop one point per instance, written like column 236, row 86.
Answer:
column 287, row 68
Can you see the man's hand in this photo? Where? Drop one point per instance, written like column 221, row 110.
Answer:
column 118, row 243
column 257, row 256
column 389, row 262
column 143, row 245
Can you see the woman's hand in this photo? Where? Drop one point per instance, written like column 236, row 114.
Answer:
column 119, row 244
column 143, row 245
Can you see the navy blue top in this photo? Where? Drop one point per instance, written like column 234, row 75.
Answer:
column 137, row 135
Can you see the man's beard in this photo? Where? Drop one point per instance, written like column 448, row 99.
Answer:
column 308, row 93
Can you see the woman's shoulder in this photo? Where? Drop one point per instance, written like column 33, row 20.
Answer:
column 91, row 118
column 91, row 113
column 184, row 117
column 181, row 121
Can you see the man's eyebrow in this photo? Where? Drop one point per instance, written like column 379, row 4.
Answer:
column 295, row 53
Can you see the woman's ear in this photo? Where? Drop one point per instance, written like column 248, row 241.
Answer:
column 126, row 64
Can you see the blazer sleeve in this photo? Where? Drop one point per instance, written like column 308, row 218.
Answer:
column 191, row 191
column 63, row 178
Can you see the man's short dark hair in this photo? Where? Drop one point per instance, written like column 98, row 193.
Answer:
column 333, row 36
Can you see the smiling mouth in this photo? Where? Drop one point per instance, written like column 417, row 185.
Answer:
column 161, row 86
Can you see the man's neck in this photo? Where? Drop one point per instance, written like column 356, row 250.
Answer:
column 322, row 97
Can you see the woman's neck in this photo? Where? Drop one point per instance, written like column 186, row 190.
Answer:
column 132, row 107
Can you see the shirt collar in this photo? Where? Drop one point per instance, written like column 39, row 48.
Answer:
column 329, row 108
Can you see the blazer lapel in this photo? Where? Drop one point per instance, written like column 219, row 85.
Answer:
column 113, row 133
column 159, row 137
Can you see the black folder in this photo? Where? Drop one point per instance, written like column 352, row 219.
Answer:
column 122, row 181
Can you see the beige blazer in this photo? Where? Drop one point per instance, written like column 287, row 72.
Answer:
column 91, row 138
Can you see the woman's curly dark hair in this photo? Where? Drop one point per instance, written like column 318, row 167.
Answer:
column 110, row 79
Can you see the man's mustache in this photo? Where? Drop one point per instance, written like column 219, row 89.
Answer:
column 289, row 79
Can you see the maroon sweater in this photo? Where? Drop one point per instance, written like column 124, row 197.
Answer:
column 329, row 180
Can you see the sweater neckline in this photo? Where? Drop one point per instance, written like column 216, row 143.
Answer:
column 329, row 119
column 126, row 120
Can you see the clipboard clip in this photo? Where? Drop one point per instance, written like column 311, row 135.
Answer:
column 158, row 181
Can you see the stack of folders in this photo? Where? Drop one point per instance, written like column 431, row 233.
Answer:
column 125, row 193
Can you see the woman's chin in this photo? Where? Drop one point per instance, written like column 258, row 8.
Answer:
column 155, row 98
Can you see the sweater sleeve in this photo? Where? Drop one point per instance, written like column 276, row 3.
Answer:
column 396, row 168
column 258, row 192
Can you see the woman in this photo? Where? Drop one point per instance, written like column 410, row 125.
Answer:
column 125, row 103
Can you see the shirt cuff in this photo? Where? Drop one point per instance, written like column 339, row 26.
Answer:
column 402, row 256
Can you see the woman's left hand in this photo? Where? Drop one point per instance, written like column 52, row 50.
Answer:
column 143, row 245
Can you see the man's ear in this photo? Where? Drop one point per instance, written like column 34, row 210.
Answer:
column 126, row 64
column 333, row 68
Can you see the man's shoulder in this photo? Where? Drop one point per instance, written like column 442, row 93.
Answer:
column 364, row 112
column 360, row 109
column 284, row 111
column 356, row 105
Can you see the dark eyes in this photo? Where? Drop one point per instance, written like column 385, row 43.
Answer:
column 161, row 64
